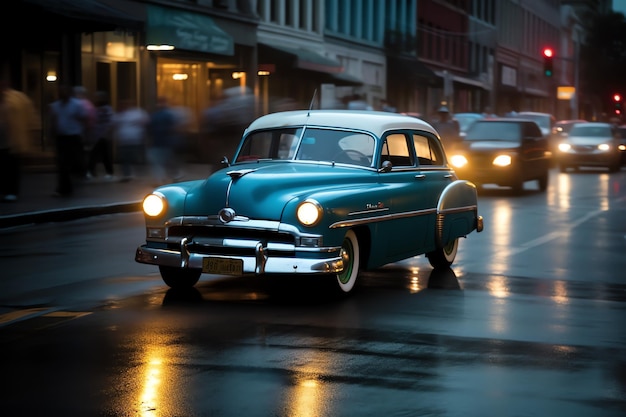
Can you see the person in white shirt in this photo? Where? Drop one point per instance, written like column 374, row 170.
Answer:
column 129, row 127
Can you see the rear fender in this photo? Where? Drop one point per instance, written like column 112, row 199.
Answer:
column 457, row 212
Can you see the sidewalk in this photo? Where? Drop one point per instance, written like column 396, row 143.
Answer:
column 94, row 197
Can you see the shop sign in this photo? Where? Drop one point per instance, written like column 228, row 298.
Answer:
column 186, row 30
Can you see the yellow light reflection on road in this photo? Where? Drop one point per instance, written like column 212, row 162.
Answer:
column 149, row 397
column 502, row 237
column 560, row 196
column 414, row 283
column 308, row 398
column 499, row 288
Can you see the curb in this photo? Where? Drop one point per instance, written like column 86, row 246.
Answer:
column 62, row 215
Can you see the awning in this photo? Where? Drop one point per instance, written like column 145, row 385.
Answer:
column 298, row 58
column 88, row 15
column 465, row 80
column 409, row 67
column 185, row 30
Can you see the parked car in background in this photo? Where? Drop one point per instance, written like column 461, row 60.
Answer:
column 590, row 144
column 546, row 121
column 503, row 151
column 465, row 120
column 314, row 193
column 562, row 127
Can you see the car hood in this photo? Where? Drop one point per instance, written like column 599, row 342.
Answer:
column 588, row 140
column 261, row 191
column 488, row 145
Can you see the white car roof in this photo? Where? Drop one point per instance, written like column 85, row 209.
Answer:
column 376, row 122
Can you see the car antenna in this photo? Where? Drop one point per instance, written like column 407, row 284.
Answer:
column 312, row 101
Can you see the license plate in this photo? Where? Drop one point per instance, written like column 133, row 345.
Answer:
column 222, row 266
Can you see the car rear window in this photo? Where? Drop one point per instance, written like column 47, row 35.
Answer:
column 506, row 131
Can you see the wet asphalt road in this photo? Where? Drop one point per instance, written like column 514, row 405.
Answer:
column 528, row 322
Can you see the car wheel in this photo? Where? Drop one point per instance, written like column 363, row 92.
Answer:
column 351, row 262
column 443, row 257
column 179, row 277
column 543, row 181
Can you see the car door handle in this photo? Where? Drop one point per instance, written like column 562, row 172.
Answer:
column 448, row 176
column 420, row 176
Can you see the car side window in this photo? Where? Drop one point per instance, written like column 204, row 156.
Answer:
column 396, row 150
column 427, row 150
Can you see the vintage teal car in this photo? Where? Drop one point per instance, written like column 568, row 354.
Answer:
column 318, row 192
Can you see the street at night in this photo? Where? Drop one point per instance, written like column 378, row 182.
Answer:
column 528, row 322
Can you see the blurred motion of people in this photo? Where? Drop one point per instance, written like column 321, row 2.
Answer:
column 385, row 105
column 224, row 123
column 80, row 93
column 67, row 125
column 18, row 122
column 101, row 137
column 447, row 128
column 129, row 132
column 166, row 142
column 357, row 102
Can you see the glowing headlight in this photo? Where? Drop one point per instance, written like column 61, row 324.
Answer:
column 502, row 160
column 564, row 147
column 458, row 161
column 621, row 147
column 309, row 213
column 153, row 205
column 604, row 147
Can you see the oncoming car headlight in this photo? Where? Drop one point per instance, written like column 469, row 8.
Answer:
column 309, row 213
column 153, row 205
column 564, row 147
column 502, row 160
column 604, row 147
column 458, row 161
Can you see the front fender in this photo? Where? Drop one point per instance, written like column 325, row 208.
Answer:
column 457, row 212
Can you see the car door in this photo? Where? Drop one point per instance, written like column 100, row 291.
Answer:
column 407, row 231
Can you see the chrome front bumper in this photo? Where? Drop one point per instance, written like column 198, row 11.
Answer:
column 260, row 263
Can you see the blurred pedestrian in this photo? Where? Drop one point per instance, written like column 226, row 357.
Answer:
column 165, row 131
column 129, row 127
column 68, row 117
column 448, row 129
column 357, row 102
column 18, row 122
column 80, row 93
column 101, row 136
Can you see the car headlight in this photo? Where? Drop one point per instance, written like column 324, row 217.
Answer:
column 502, row 160
column 604, row 147
column 153, row 205
column 458, row 161
column 309, row 212
column 564, row 147
column 621, row 147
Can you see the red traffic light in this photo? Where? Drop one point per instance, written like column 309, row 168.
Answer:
column 617, row 97
column 548, row 52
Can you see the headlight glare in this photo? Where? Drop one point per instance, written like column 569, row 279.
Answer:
column 458, row 161
column 502, row 160
column 309, row 213
column 604, row 147
column 153, row 205
column 564, row 147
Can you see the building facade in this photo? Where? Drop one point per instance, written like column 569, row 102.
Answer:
column 413, row 54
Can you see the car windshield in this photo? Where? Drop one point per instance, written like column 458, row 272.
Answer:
column 542, row 121
column 505, row 131
column 591, row 131
column 310, row 144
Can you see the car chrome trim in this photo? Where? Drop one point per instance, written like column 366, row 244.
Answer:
column 260, row 263
column 375, row 219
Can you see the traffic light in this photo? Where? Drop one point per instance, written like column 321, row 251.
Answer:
column 617, row 104
column 548, row 55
